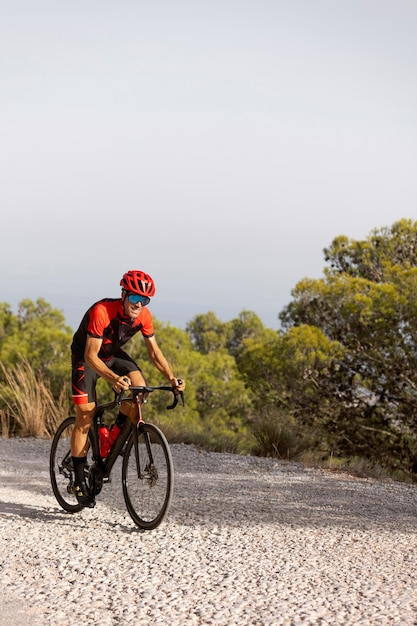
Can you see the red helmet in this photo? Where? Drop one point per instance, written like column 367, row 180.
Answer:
column 136, row 281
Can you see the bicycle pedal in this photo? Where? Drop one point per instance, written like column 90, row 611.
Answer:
column 107, row 479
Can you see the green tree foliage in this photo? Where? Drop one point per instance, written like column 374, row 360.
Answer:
column 223, row 402
column 290, row 376
column 8, row 322
column 209, row 334
column 246, row 326
column 222, row 396
column 366, row 303
column 38, row 334
column 281, row 366
column 374, row 257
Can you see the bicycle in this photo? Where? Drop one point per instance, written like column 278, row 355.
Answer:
column 147, row 468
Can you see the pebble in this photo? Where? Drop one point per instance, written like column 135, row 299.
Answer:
column 248, row 541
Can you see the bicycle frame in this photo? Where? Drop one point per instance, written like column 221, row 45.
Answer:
column 133, row 425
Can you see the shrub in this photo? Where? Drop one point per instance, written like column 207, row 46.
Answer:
column 277, row 435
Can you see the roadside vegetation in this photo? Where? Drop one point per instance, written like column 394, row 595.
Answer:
column 336, row 386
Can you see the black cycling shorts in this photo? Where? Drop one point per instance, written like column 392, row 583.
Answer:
column 84, row 379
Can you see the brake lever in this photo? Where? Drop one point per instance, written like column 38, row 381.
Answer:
column 175, row 401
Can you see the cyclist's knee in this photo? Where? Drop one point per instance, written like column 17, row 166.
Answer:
column 136, row 378
column 84, row 414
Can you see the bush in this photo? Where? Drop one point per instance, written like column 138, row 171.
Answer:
column 278, row 435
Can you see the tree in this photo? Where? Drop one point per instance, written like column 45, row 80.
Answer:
column 246, row 326
column 374, row 257
column 279, row 367
column 37, row 333
column 8, row 322
column 366, row 302
column 207, row 333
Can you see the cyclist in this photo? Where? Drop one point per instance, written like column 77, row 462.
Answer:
column 97, row 352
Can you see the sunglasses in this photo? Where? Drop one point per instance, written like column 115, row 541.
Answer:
column 135, row 298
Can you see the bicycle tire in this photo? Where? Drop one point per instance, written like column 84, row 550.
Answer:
column 61, row 470
column 148, row 497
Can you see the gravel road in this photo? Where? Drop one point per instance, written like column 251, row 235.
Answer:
column 248, row 541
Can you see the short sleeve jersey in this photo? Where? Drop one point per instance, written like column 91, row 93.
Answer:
column 106, row 320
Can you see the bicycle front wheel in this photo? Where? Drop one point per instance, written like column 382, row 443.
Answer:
column 60, row 466
column 148, row 477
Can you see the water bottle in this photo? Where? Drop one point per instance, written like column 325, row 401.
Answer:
column 115, row 431
column 103, row 437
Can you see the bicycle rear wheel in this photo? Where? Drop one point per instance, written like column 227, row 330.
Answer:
column 60, row 466
column 148, row 485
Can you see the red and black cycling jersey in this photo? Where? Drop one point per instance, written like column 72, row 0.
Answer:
column 106, row 320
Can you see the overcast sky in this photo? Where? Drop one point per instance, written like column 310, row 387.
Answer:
column 219, row 145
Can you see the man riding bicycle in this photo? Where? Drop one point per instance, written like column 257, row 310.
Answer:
column 97, row 352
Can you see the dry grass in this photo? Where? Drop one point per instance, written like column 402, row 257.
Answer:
column 29, row 408
column 4, row 423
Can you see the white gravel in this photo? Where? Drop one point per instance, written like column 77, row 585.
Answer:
column 247, row 541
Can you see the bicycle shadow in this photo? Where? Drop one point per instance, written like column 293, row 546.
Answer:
column 55, row 515
column 26, row 489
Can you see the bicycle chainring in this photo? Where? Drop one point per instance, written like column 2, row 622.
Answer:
column 95, row 479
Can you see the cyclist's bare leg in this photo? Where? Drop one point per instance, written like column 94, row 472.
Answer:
column 84, row 414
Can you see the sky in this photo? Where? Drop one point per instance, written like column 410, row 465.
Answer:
column 219, row 145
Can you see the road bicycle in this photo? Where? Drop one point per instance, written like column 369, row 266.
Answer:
column 147, row 467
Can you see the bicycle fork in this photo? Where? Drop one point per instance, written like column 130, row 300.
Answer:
column 150, row 466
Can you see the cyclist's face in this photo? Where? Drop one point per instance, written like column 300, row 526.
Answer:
column 131, row 310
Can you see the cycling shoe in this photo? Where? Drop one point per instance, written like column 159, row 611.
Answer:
column 84, row 495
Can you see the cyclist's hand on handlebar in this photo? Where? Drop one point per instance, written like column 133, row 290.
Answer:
column 122, row 384
column 178, row 384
